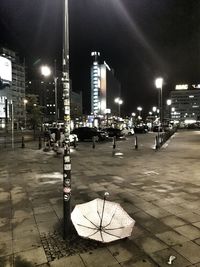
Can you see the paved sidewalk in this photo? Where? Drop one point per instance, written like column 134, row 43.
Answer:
column 160, row 190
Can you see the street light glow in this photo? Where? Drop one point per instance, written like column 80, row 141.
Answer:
column 45, row 70
column 154, row 109
column 139, row 108
column 159, row 83
column 169, row 102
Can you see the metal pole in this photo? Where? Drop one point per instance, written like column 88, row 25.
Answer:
column 161, row 110
column 56, row 93
column 12, row 126
column 24, row 115
column 66, row 156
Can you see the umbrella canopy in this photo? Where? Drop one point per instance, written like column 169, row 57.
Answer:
column 102, row 220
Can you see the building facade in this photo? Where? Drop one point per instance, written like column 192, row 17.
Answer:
column 45, row 91
column 14, row 92
column 185, row 103
column 104, row 87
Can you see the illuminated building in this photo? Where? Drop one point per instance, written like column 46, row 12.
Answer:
column 104, row 87
column 185, row 102
column 14, row 91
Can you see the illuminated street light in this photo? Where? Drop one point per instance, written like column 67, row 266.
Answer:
column 140, row 110
column 46, row 71
column 154, row 109
column 159, row 84
column 119, row 101
column 169, row 102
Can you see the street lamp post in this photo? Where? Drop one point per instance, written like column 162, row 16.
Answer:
column 139, row 110
column 169, row 102
column 159, row 84
column 25, row 103
column 66, row 156
column 119, row 101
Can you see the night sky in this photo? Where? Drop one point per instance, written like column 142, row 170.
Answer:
column 140, row 39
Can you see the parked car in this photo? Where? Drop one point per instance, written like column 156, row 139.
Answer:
column 128, row 131
column 157, row 128
column 115, row 132
column 141, row 129
column 87, row 133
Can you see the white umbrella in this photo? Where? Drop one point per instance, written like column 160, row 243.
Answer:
column 102, row 220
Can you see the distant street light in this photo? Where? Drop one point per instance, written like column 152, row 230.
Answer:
column 140, row 110
column 46, row 71
column 159, row 84
column 169, row 102
column 25, row 103
column 154, row 109
column 119, row 101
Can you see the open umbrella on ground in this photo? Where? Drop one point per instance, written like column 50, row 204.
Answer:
column 102, row 220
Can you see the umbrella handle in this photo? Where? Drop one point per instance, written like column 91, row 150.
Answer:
column 104, row 200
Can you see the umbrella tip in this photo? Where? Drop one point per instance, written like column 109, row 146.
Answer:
column 106, row 194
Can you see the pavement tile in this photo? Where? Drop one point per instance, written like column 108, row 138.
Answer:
column 26, row 243
column 124, row 251
column 43, row 209
column 174, row 209
column 150, row 244
column 46, row 227
column 189, row 250
column 189, row 231
column 139, row 263
column 99, row 257
column 5, row 235
column 189, row 216
column 22, row 213
column 197, row 224
column 4, row 196
column 157, row 212
column 173, row 221
column 6, row 248
column 46, row 217
column 73, row 261
column 197, row 241
column 33, row 256
column 29, row 230
column 172, row 238
column 161, row 258
column 6, row 261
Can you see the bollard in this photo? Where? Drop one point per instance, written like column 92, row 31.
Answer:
column 23, row 145
column 93, row 142
column 156, row 142
column 74, row 142
column 114, row 142
column 136, row 142
column 40, row 143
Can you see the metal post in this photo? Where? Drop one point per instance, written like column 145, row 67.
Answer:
column 136, row 142
column 56, row 94
column 93, row 142
column 75, row 142
column 12, row 124
column 114, row 142
column 23, row 145
column 156, row 142
column 66, row 157
column 40, row 143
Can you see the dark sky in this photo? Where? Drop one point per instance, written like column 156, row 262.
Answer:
column 140, row 39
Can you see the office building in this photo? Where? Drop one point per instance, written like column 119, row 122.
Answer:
column 104, row 87
column 185, row 102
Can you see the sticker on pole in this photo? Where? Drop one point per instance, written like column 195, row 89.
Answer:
column 66, row 190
